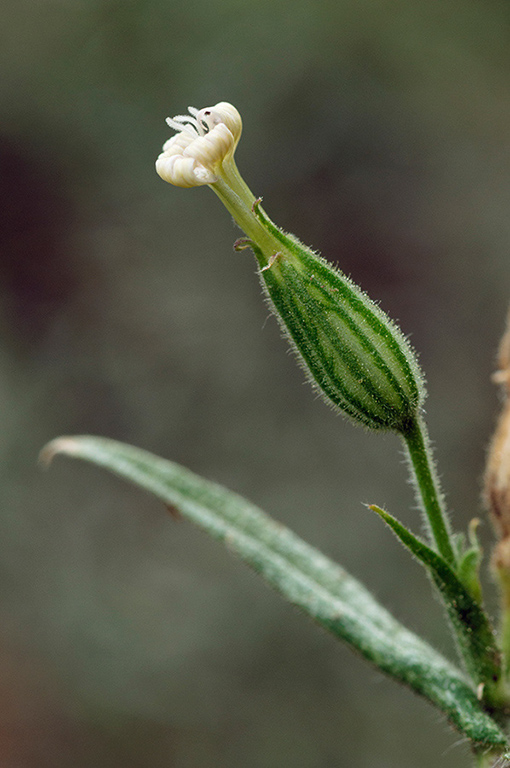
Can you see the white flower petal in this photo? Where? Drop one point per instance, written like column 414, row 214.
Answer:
column 204, row 140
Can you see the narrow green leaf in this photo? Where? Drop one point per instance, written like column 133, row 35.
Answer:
column 476, row 638
column 469, row 563
column 303, row 575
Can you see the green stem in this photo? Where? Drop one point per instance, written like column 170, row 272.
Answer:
column 238, row 199
column 427, row 483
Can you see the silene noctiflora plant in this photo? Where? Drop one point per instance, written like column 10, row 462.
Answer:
column 362, row 363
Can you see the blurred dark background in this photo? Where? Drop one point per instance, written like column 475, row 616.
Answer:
column 378, row 132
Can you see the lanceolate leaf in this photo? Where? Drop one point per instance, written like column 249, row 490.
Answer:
column 301, row 574
column 476, row 637
column 469, row 562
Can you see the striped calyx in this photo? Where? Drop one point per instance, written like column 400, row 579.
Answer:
column 354, row 354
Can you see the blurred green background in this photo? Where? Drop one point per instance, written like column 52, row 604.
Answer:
column 378, row 132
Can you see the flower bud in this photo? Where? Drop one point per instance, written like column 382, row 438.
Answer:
column 205, row 139
column 354, row 354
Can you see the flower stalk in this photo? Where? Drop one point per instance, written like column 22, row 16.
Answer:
column 429, row 492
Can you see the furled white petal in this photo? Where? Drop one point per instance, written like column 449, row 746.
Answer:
column 183, row 171
column 202, row 143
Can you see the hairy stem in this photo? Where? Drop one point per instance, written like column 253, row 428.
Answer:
column 427, row 484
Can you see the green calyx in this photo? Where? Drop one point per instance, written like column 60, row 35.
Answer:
column 353, row 353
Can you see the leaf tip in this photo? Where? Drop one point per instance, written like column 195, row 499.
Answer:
column 378, row 510
column 67, row 445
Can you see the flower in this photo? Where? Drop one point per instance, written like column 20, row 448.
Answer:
column 205, row 139
column 354, row 354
